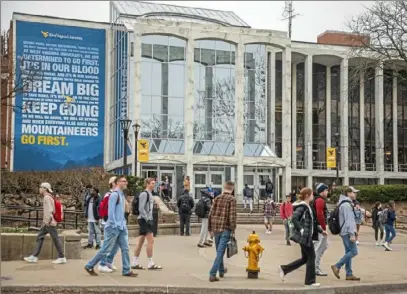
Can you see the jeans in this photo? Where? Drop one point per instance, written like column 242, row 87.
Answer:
column 184, row 220
column 351, row 250
column 287, row 229
column 204, row 231
column 113, row 236
column 221, row 243
column 308, row 258
column 320, row 246
column 55, row 238
column 390, row 233
column 94, row 229
column 108, row 259
column 376, row 232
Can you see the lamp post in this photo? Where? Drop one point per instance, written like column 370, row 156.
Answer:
column 125, row 124
column 136, row 129
column 337, row 147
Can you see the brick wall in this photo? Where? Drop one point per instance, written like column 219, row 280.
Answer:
column 342, row 38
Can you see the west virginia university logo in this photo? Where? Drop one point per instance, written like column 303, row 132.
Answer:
column 143, row 144
column 45, row 34
column 331, row 152
column 69, row 100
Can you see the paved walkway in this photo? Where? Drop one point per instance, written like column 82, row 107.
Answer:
column 185, row 265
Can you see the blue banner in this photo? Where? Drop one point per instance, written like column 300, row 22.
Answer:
column 60, row 97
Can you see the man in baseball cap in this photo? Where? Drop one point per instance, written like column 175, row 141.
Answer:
column 321, row 240
column 351, row 189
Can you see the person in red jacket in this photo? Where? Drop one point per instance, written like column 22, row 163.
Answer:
column 322, row 216
column 286, row 212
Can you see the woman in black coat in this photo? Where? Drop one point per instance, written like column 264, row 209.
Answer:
column 376, row 223
column 304, row 232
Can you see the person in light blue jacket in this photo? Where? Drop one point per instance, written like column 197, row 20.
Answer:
column 348, row 234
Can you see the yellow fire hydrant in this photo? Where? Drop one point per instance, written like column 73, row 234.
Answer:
column 254, row 251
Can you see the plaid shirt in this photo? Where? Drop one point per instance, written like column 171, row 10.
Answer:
column 269, row 208
column 223, row 214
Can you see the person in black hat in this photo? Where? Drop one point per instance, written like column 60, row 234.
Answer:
column 321, row 211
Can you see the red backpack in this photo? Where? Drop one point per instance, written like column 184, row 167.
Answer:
column 58, row 212
column 104, row 206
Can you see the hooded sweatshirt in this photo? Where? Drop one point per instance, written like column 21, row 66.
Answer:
column 347, row 217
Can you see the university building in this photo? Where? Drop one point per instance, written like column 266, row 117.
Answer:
column 218, row 100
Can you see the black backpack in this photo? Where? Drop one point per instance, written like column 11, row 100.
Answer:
column 184, row 207
column 136, row 203
column 334, row 224
column 200, row 209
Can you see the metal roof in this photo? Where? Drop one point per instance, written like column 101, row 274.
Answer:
column 177, row 13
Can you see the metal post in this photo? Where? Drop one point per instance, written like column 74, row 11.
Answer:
column 136, row 128
column 337, row 148
column 125, row 137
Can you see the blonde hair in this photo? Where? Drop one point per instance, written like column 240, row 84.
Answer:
column 148, row 181
column 305, row 193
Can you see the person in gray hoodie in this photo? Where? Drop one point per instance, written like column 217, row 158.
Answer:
column 348, row 234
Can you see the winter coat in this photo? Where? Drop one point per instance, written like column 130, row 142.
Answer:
column 96, row 203
column 305, row 224
column 207, row 201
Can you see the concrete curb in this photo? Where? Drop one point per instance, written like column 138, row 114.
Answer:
column 149, row 289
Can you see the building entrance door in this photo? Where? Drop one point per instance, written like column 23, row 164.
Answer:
column 200, row 179
column 172, row 188
column 216, row 180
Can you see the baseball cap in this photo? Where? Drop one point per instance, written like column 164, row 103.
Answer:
column 111, row 180
column 351, row 189
column 46, row 186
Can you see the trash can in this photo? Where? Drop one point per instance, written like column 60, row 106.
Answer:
column 155, row 220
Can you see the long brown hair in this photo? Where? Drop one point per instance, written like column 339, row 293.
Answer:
column 305, row 193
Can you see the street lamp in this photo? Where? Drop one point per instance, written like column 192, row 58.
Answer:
column 337, row 147
column 125, row 124
column 136, row 129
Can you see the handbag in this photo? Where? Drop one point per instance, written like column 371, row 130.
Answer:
column 231, row 248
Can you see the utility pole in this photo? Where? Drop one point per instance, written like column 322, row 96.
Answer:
column 289, row 14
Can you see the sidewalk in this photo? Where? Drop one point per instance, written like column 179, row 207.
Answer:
column 186, row 267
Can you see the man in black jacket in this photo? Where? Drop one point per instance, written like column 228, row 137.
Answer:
column 92, row 216
column 185, row 205
column 206, row 199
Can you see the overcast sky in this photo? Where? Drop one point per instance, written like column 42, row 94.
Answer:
column 314, row 16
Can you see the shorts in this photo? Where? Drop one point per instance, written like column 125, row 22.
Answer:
column 145, row 227
column 268, row 219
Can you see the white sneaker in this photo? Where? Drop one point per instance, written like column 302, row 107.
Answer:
column 315, row 285
column 31, row 259
column 112, row 267
column 387, row 246
column 281, row 272
column 378, row 244
column 357, row 242
column 61, row 260
column 105, row 269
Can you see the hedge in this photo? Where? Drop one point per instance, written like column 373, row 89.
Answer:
column 373, row 193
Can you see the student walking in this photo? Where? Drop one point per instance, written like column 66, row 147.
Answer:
column 347, row 233
column 185, row 205
column 248, row 197
column 269, row 209
column 305, row 226
column 49, row 225
column 92, row 216
column 358, row 219
column 202, row 209
column 115, row 231
column 376, row 224
column 389, row 224
column 222, row 225
column 145, row 222
column 286, row 213
column 321, row 244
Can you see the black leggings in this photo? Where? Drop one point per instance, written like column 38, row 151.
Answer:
column 376, row 232
column 308, row 258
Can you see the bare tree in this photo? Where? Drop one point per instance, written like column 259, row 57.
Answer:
column 381, row 34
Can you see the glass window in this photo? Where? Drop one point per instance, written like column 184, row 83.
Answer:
column 176, row 80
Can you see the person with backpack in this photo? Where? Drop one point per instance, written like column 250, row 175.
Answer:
column 376, row 224
column 342, row 222
column 286, row 212
column 92, row 216
column 389, row 217
column 321, row 244
column 185, row 205
column 143, row 205
column 202, row 209
column 115, row 231
column 269, row 210
column 269, row 189
column 304, row 232
column 248, row 197
column 51, row 214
